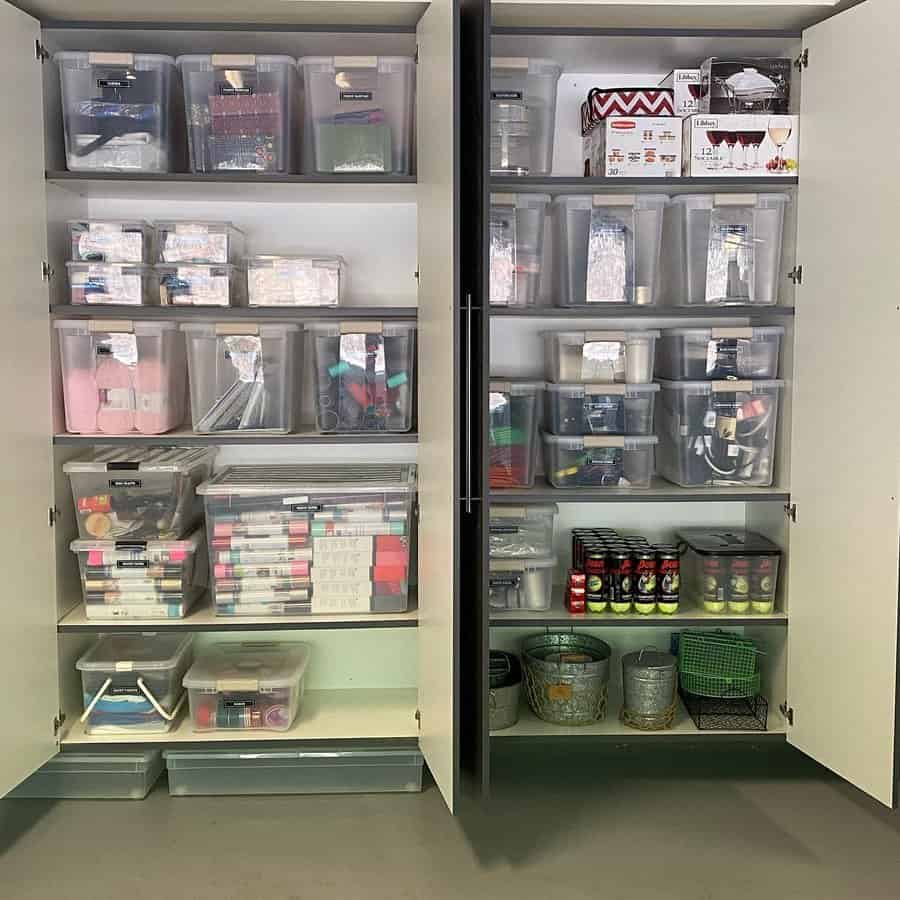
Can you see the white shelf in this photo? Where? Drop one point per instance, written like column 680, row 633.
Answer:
column 335, row 715
column 185, row 437
column 660, row 490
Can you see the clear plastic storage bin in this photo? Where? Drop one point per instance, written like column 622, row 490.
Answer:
column 243, row 375
column 359, row 113
column 698, row 353
column 138, row 493
column 301, row 540
column 515, row 411
column 523, row 115
column 325, row 770
column 580, row 409
column 132, row 682
column 241, row 111
column 118, row 110
column 723, row 249
column 134, row 579
column 517, row 246
column 718, row 432
column 110, row 240
column 128, row 775
column 599, row 461
column 296, row 280
column 247, row 686
column 121, row 377
column 607, row 248
column 200, row 285
column 599, row 357
column 365, row 375
column 124, row 284
column 199, row 242
column 521, row 583
column 525, row 531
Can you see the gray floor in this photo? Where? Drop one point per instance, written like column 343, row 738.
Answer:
column 625, row 824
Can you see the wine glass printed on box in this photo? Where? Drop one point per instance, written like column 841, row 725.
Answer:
column 780, row 129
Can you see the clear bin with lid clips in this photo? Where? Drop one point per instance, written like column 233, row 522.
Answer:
column 515, row 411
column 581, row 409
column 600, row 357
column 697, row 353
column 521, row 583
column 599, row 460
column 525, row 531
column 296, row 280
column 517, row 246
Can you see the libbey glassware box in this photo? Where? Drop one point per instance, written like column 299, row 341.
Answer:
column 685, row 85
column 745, row 145
column 745, row 85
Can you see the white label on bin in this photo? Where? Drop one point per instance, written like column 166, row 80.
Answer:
column 506, row 95
column 735, row 200
column 355, row 96
column 355, row 62
column 606, row 389
column 110, row 59
column 742, row 333
column 295, row 501
column 124, row 665
column 734, row 387
column 223, row 60
column 613, row 200
column 509, row 62
column 125, row 482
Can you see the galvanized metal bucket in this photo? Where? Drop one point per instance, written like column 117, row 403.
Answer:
column 505, row 675
column 566, row 677
column 649, row 682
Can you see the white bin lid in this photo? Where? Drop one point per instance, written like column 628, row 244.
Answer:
column 532, row 64
column 248, row 666
column 750, row 332
column 187, row 546
column 520, row 563
column 83, row 59
column 581, row 337
column 149, row 459
column 625, row 390
column 232, row 60
column 728, row 385
column 353, row 326
column 635, row 442
column 270, row 260
column 531, row 511
column 515, row 387
column 86, row 327
column 227, row 329
column 382, row 63
column 520, row 201
column 124, row 652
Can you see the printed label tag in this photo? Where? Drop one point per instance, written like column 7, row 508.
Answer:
column 506, row 95
column 351, row 96
column 117, row 83
column 133, row 564
column 124, row 482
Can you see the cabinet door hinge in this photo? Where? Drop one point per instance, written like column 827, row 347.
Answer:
column 58, row 721
column 40, row 51
column 52, row 514
column 790, row 510
column 787, row 712
column 419, row 720
column 416, row 55
column 796, row 274
column 46, row 270
column 802, row 61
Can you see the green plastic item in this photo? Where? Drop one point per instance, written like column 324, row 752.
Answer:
column 718, row 664
column 354, row 147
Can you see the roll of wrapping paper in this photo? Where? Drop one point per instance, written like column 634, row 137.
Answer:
column 367, row 529
column 265, row 597
column 295, row 527
column 99, row 557
column 119, row 598
column 133, row 585
column 260, row 585
column 281, row 570
column 510, row 457
column 301, row 608
column 263, row 557
column 155, row 570
column 261, row 542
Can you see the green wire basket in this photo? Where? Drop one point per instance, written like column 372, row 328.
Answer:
column 718, row 664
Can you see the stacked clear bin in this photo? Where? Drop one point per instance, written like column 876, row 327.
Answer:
column 119, row 111
column 132, row 683
column 241, row 112
column 365, row 376
column 359, row 113
column 607, row 248
column 723, row 249
column 517, row 246
column 122, row 377
column 699, row 353
column 599, row 357
column 243, row 376
column 586, row 409
column 525, row 583
column 296, row 280
column 306, row 540
column 523, row 115
column 515, row 411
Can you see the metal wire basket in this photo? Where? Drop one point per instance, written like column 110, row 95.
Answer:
column 718, row 664
column 566, row 677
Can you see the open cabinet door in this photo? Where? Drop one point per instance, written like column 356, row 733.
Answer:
column 845, row 472
column 28, row 660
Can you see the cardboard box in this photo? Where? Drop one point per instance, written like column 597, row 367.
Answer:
column 685, row 84
column 635, row 147
column 723, row 146
column 745, row 85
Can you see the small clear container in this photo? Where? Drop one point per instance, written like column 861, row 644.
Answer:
column 118, row 110
column 517, row 246
column 599, row 460
column 524, row 531
column 199, row 242
column 122, row 377
column 365, row 375
column 608, row 247
column 243, row 376
column 718, row 432
column 188, row 284
column 580, row 409
column 515, row 411
column 247, row 686
column 693, row 354
column 110, row 241
column 116, row 284
column 132, row 683
column 521, row 583
column 723, row 249
column 599, row 357
column 138, row 493
column 242, row 111
column 359, row 113
column 296, row 280
column 523, row 115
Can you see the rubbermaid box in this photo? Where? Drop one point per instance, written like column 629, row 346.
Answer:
column 243, row 375
column 296, row 280
column 138, row 493
column 515, row 411
column 517, row 245
column 110, row 240
column 199, row 242
column 365, row 375
column 132, row 682
column 118, row 110
column 599, row 357
column 608, row 248
column 697, row 353
column 718, row 432
column 523, row 115
column 188, row 284
column 313, row 539
column 723, row 249
column 581, row 409
column 359, row 113
column 247, row 686
column 122, row 775
column 525, row 531
column 260, row 770
column 124, row 284
column 122, row 377
column 521, row 583
column 132, row 579
column 241, row 111
column 599, row 460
